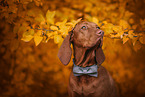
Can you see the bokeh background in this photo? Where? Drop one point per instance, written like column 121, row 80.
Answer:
column 27, row 70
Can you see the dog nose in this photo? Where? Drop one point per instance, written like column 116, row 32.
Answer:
column 100, row 32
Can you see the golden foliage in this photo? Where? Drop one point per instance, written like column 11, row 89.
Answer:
column 27, row 70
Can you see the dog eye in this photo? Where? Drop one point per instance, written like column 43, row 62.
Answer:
column 98, row 27
column 84, row 28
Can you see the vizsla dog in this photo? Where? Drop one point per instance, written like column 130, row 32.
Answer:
column 89, row 78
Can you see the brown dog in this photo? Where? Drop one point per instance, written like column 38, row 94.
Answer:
column 87, row 40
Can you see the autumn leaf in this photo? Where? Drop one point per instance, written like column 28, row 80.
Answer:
column 28, row 35
column 104, row 22
column 50, row 17
column 125, row 39
column 87, row 9
column 53, row 28
column 119, row 34
column 107, row 28
column 131, row 34
column 142, row 22
column 142, row 39
column 117, row 28
column 95, row 20
column 57, row 39
column 31, row 13
column 63, row 28
column 26, row 68
column 88, row 17
column 39, row 18
column 134, row 40
column 73, row 23
column 137, row 46
column 131, row 21
column 124, row 24
column 134, row 26
column 61, row 23
column 38, row 38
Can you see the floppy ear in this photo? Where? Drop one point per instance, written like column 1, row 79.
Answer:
column 100, row 57
column 65, row 52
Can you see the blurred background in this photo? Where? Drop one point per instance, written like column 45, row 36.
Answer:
column 27, row 70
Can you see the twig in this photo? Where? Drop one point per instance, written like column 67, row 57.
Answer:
column 40, row 29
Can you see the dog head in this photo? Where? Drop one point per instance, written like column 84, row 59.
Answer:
column 86, row 35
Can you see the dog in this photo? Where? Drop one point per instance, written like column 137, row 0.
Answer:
column 89, row 78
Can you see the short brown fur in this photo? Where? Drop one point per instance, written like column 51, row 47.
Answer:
column 87, row 40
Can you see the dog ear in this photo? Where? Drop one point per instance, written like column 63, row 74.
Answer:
column 100, row 57
column 65, row 52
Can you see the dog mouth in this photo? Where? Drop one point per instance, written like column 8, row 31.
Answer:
column 96, row 44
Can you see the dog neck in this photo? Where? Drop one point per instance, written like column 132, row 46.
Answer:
column 84, row 57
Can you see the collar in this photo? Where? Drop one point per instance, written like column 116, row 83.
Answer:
column 91, row 70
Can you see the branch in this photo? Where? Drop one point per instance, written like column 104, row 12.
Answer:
column 40, row 29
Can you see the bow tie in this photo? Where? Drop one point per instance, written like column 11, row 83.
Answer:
column 91, row 70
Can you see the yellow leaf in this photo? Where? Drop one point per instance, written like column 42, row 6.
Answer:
column 38, row 38
column 105, row 22
column 119, row 35
column 73, row 23
column 31, row 13
column 130, row 34
column 53, row 28
column 22, row 29
column 131, row 21
column 55, row 32
column 95, row 20
column 117, row 28
column 50, row 17
column 27, row 38
column 28, row 35
column 88, row 17
column 87, row 9
column 39, row 33
column 142, row 21
column 78, row 20
column 49, row 34
column 60, row 43
column 108, row 28
column 134, row 40
column 57, row 38
column 61, row 23
column 125, row 39
column 31, row 31
column 124, row 24
column 142, row 39
column 137, row 46
column 64, row 30
column 134, row 26
column 128, row 14
column 40, row 18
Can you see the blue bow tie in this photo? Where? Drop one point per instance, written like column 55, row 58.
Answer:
column 91, row 70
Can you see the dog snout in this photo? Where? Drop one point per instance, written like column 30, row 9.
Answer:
column 100, row 32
